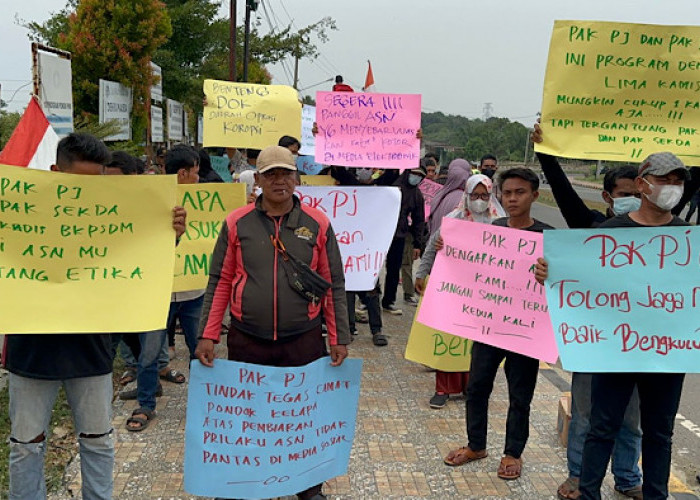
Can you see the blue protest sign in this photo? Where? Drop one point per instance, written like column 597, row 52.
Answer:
column 258, row 431
column 220, row 165
column 625, row 300
column 308, row 165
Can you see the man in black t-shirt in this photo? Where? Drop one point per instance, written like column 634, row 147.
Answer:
column 82, row 363
column 519, row 190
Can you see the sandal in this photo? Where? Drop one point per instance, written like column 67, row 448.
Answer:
column 379, row 340
column 463, row 455
column 510, row 468
column 568, row 490
column 173, row 376
column 141, row 417
column 128, row 376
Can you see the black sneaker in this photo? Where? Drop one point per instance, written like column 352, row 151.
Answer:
column 439, row 401
column 392, row 309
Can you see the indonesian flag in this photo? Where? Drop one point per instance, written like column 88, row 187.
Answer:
column 33, row 143
column 369, row 79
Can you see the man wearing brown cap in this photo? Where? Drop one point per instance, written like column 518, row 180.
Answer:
column 660, row 182
column 248, row 273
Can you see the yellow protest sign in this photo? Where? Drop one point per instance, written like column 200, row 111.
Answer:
column 247, row 115
column 84, row 253
column 620, row 91
column 317, row 180
column 207, row 206
column 436, row 349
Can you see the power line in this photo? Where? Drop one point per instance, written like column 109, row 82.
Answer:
column 272, row 30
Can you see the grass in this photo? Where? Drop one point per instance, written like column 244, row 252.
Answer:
column 59, row 453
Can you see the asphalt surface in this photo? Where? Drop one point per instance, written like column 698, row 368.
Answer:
column 686, row 441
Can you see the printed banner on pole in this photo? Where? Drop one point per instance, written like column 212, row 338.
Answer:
column 56, row 91
column 308, row 141
column 625, row 300
column 157, row 124
column 246, row 115
column 85, row 239
column 482, row 287
column 115, row 105
column 368, row 130
column 175, row 117
column 428, row 188
column 157, row 87
column 207, row 206
column 364, row 220
column 436, row 349
column 621, row 91
column 256, row 431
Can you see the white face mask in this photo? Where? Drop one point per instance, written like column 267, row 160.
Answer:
column 664, row 196
column 477, row 206
column 414, row 179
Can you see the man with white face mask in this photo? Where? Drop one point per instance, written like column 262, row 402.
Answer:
column 661, row 179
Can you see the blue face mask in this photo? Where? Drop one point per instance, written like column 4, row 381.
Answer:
column 414, row 179
column 625, row 205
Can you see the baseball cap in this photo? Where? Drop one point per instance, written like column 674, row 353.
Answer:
column 661, row 164
column 275, row 157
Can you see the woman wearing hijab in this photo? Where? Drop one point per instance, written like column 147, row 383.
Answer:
column 477, row 204
column 447, row 198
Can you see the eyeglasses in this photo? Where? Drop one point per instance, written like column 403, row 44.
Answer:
column 475, row 196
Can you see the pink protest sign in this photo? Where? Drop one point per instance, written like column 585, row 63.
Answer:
column 368, row 130
column 428, row 188
column 482, row 287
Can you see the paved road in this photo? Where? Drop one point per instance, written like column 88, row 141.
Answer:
column 686, row 449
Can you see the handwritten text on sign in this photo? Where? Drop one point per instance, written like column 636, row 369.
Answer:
column 436, row 349
column 619, row 91
column 625, row 300
column 246, row 115
column 428, row 188
column 207, row 206
column 364, row 220
column 81, row 239
column 483, row 287
column 368, row 130
column 261, row 432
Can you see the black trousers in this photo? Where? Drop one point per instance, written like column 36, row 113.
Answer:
column 659, row 397
column 394, row 257
column 374, row 312
column 298, row 351
column 521, row 374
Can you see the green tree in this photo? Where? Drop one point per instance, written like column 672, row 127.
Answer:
column 8, row 122
column 115, row 40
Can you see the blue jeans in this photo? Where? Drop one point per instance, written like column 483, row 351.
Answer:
column 31, row 402
column 130, row 360
column 188, row 312
column 152, row 345
column 628, row 442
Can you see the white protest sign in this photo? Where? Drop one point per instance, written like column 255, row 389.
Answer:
column 175, row 115
column 115, row 105
column 56, row 92
column 308, row 141
column 157, row 124
column 364, row 220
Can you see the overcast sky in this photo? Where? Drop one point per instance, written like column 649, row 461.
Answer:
column 459, row 54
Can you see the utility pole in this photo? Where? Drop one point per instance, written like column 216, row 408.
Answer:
column 296, row 68
column 232, row 41
column 250, row 5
